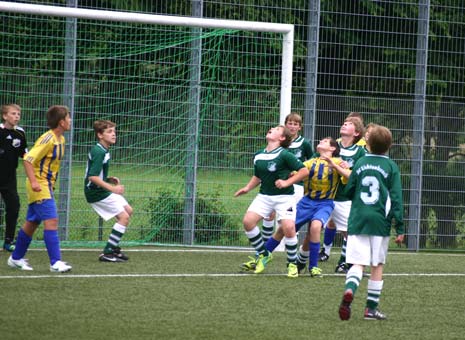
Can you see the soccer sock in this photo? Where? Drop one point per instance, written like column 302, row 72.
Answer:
column 271, row 244
column 314, row 252
column 22, row 244
column 291, row 249
column 342, row 259
column 267, row 229
column 52, row 243
column 302, row 256
column 328, row 239
column 115, row 236
column 256, row 240
column 374, row 292
column 353, row 278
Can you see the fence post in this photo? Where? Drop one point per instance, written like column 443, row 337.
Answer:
column 311, row 70
column 68, row 100
column 414, row 224
column 193, row 130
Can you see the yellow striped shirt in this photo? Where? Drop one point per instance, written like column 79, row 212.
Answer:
column 45, row 156
column 322, row 180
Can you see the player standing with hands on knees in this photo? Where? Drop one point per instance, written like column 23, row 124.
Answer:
column 105, row 194
column 272, row 167
column 376, row 193
column 42, row 164
column 13, row 146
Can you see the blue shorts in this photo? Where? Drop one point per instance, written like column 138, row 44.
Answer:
column 41, row 211
column 310, row 210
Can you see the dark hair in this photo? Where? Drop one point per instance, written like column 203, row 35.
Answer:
column 102, row 125
column 5, row 108
column 55, row 114
column 287, row 137
column 335, row 145
column 379, row 140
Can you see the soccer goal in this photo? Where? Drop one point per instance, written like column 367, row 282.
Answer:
column 192, row 99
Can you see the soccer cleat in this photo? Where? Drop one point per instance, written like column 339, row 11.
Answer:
column 292, row 270
column 374, row 314
column 262, row 261
column 323, row 257
column 19, row 264
column 301, row 267
column 60, row 267
column 118, row 253
column 109, row 258
column 344, row 307
column 342, row 268
column 9, row 247
column 249, row 265
column 316, row 272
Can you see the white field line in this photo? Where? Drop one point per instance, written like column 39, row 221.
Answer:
column 229, row 250
column 202, row 275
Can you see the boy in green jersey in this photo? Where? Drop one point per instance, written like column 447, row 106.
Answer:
column 376, row 193
column 272, row 167
column 351, row 133
column 325, row 175
column 105, row 193
column 302, row 150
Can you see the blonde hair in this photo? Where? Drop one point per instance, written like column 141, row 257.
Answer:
column 294, row 117
column 7, row 107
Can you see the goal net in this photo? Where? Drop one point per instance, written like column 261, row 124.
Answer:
column 192, row 100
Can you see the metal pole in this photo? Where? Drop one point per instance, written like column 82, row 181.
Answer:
column 416, row 175
column 311, row 70
column 68, row 100
column 193, row 129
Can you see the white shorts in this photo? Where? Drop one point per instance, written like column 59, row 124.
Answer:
column 110, row 206
column 298, row 192
column 340, row 214
column 284, row 205
column 367, row 250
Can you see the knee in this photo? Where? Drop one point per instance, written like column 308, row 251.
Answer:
column 123, row 218
column 129, row 210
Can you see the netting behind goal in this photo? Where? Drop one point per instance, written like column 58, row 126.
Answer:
column 191, row 106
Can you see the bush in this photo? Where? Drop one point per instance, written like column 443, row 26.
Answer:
column 213, row 226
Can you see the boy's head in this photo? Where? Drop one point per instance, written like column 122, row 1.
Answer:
column 329, row 144
column 379, row 139
column 293, row 117
column 101, row 125
column 55, row 114
column 286, row 136
column 293, row 122
column 9, row 108
column 355, row 115
column 353, row 126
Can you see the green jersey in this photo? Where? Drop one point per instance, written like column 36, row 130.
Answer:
column 301, row 149
column 274, row 165
column 98, row 162
column 376, row 192
column 351, row 155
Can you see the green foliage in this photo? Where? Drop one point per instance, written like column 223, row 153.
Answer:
column 213, row 226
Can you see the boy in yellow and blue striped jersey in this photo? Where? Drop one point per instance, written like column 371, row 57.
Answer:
column 41, row 165
column 317, row 204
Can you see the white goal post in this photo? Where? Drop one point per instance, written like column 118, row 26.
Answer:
column 287, row 30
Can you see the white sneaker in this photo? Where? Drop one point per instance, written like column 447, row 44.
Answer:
column 60, row 267
column 19, row 264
